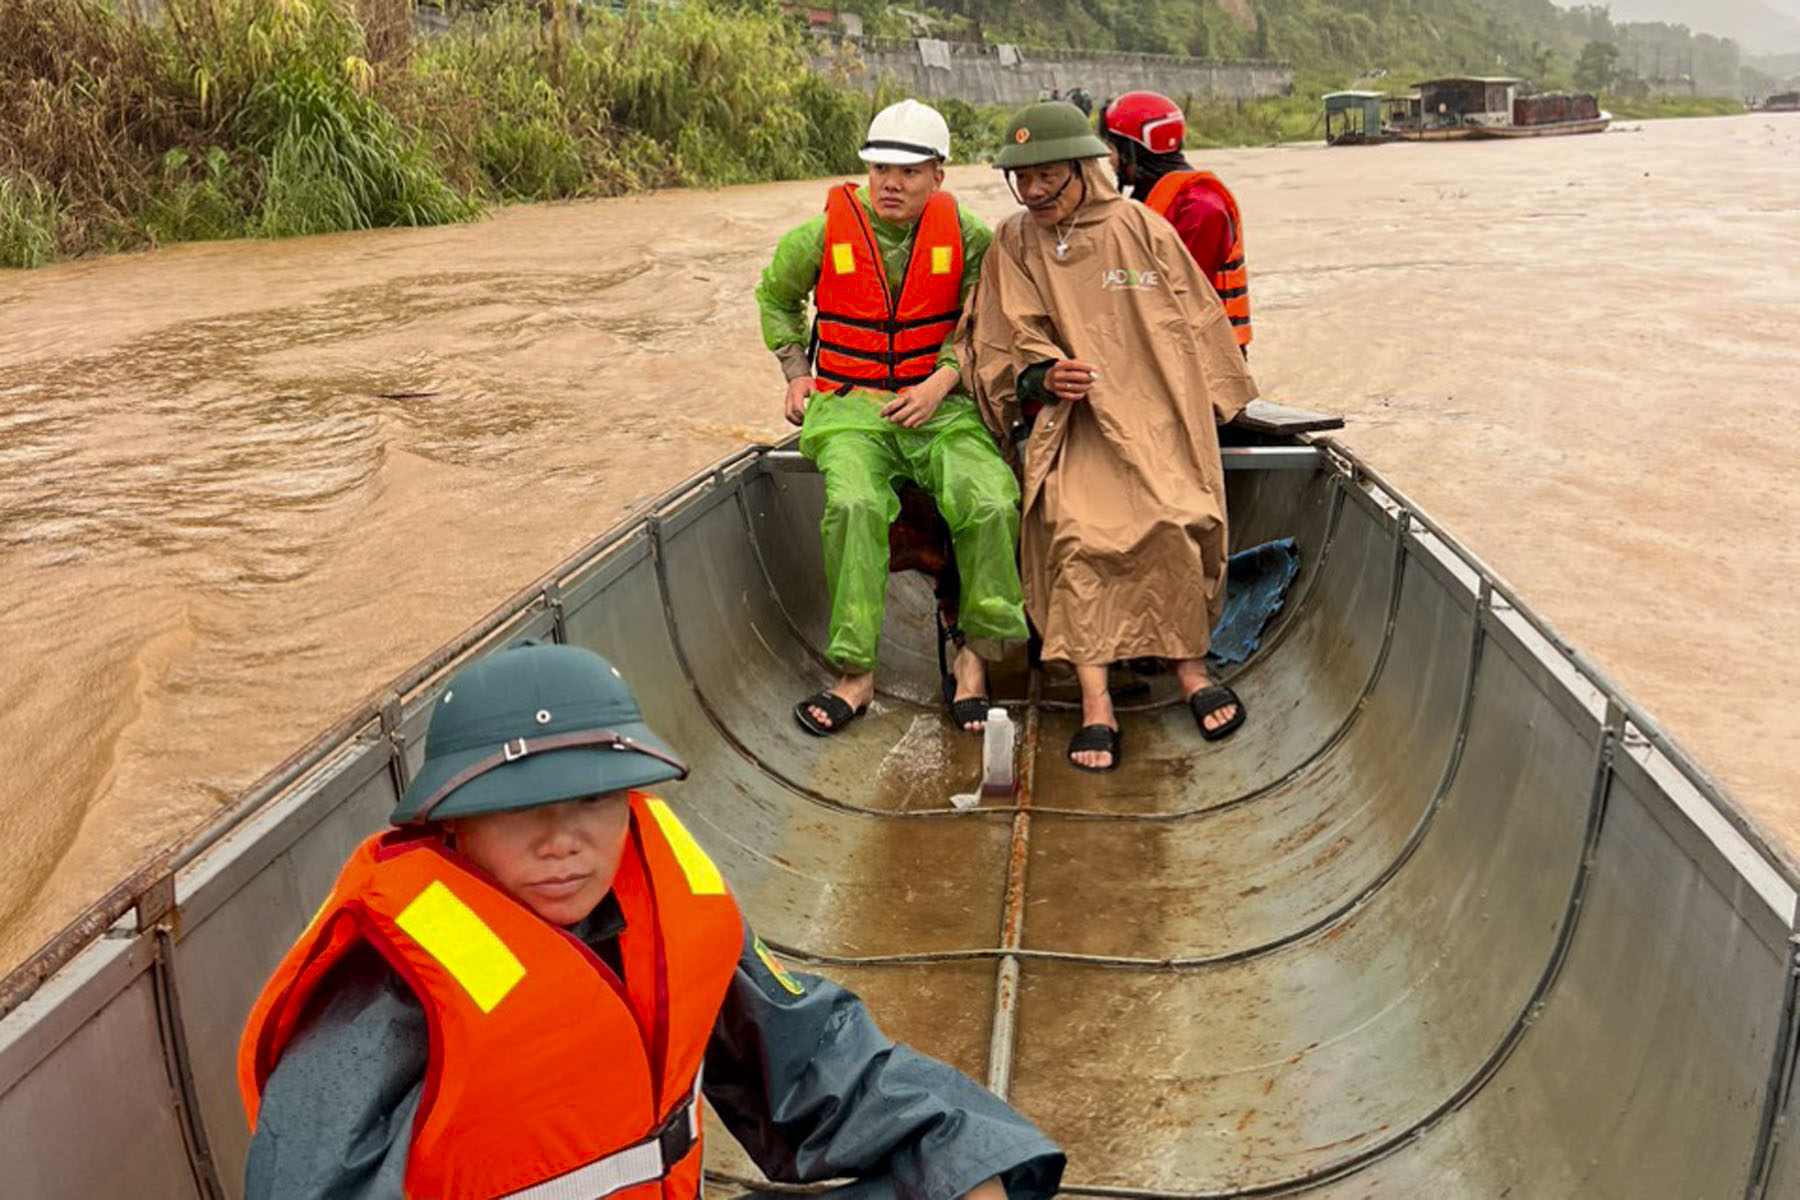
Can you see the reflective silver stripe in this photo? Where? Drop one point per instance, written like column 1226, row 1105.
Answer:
column 602, row 1177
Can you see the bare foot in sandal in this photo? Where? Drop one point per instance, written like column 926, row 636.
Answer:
column 854, row 690
column 970, row 693
column 1221, row 711
column 1096, row 709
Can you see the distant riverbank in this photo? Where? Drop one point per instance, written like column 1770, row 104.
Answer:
column 239, row 118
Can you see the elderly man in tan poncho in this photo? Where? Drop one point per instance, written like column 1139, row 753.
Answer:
column 1091, row 314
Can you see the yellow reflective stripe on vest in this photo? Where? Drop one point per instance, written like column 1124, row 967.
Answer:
column 462, row 943
column 940, row 260
column 703, row 878
column 843, row 259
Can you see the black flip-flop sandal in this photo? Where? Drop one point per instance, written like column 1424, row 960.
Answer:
column 1096, row 737
column 836, row 708
column 1209, row 700
column 970, row 708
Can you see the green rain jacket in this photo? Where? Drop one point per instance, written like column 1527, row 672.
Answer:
column 782, row 297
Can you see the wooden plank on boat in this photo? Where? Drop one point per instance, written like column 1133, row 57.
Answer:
column 1265, row 416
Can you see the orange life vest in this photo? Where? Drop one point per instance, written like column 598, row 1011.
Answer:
column 544, row 1065
column 865, row 337
column 1231, row 281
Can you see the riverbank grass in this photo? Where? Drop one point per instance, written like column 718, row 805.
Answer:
column 230, row 118
column 1650, row 108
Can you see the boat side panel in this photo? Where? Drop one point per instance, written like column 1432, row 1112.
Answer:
column 223, row 960
column 811, row 875
column 97, row 1118
column 1269, row 868
column 1784, row 1178
column 1260, row 1071
column 750, row 667
column 1299, row 692
column 1646, row 1072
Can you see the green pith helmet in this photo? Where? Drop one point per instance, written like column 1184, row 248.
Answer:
column 533, row 725
column 1053, row 131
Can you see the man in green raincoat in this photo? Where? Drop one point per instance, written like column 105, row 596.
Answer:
column 875, row 386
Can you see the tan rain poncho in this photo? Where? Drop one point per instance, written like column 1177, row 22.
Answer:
column 1123, row 535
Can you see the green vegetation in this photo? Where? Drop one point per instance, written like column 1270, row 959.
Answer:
column 1334, row 43
column 229, row 118
column 233, row 118
column 28, row 213
column 1649, row 107
column 1216, row 123
column 221, row 118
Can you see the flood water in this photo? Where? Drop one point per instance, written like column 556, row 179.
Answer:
column 242, row 485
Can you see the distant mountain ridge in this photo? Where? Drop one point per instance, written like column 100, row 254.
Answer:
column 1757, row 26
column 1663, row 46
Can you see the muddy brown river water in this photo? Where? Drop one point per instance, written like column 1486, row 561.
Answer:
column 241, row 485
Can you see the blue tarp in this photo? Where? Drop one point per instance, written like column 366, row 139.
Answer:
column 1256, row 584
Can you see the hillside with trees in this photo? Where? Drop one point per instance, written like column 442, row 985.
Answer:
column 1333, row 42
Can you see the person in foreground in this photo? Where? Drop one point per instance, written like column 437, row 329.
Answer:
column 1092, row 323
column 524, row 989
column 876, row 391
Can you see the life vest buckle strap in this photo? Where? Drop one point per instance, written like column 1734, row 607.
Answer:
column 646, row 1162
column 676, row 1138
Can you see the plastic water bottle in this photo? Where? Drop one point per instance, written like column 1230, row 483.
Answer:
column 997, row 755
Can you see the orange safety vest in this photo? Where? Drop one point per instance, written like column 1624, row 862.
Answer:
column 545, row 1068
column 864, row 337
column 1231, row 281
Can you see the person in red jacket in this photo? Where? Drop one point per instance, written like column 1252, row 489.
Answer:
column 524, row 990
column 1143, row 133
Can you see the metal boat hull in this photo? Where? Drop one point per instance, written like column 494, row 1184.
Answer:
column 1553, row 129
column 1447, row 917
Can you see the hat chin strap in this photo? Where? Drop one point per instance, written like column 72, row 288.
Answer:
column 518, row 748
column 1040, row 206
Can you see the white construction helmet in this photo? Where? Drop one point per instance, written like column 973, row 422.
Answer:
column 907, row 132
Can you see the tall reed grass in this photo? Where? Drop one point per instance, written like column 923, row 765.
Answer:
column 229, row 118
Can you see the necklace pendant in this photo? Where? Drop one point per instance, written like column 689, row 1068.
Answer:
column 1062, row 249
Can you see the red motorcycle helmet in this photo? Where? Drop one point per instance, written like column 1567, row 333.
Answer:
column 1150, row 119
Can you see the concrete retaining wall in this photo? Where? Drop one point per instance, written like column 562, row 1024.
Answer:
column 975, row 73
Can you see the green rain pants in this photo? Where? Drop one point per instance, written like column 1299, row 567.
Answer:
column 953, row 457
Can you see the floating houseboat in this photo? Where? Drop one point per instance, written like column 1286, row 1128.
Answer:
column 1353, row 118
column 1490, row 106
column 1548, row 115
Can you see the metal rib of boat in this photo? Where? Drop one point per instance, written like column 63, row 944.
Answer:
column 1448, row 917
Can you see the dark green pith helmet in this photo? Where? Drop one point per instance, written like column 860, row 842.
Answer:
column 1052, row 131
column 533, row 725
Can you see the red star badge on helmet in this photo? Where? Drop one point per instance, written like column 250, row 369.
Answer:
column 1023, row 136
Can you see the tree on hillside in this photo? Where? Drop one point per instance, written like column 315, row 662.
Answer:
column 1594, row 69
